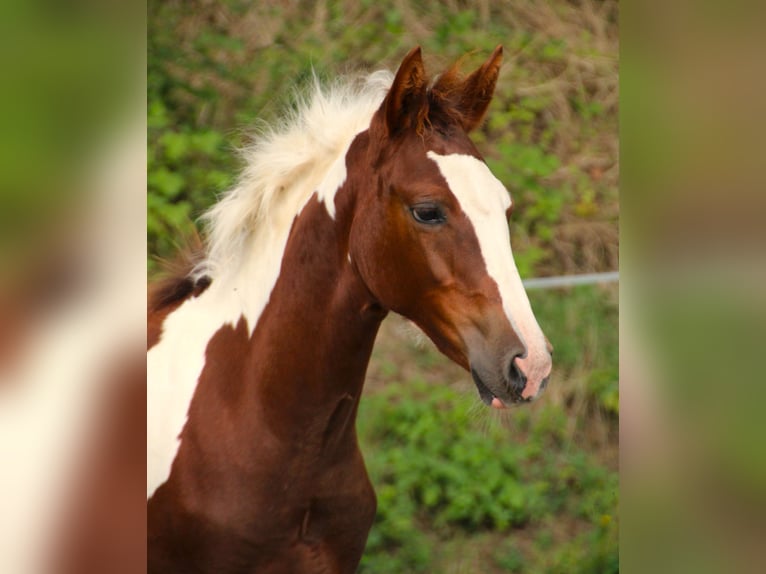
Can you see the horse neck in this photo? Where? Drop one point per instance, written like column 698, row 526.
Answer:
column 304, row 365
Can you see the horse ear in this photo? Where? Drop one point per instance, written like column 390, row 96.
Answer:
column 477, row 90
column 406, row 105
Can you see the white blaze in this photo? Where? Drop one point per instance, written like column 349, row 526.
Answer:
column 484, row 200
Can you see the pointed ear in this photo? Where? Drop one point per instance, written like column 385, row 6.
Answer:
column 477, row 90
column 406, row 104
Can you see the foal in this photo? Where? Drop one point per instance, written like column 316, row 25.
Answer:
column 373, row 199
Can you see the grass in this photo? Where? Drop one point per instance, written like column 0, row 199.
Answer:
column 216, row 68
column 461, row 489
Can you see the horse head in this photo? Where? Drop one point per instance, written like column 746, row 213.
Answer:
column 430, row 237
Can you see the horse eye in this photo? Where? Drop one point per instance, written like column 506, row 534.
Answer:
column 428, row 214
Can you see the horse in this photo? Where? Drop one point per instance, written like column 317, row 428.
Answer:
column 370, row 198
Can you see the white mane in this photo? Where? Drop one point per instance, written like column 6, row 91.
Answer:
column 286, row 163
column 247, row 232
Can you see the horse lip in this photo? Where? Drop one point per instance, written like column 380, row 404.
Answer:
column 484, row 393
column 487, row 395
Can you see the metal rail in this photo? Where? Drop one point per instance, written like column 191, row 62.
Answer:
column 571, row 280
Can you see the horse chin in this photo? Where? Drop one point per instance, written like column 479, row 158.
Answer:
column 491, row 395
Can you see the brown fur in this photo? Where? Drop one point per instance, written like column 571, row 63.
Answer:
column 453, row 102
column 466, row 100
column 173, row 286
column 269, row 477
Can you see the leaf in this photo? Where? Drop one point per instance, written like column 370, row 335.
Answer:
column 165, row 182
column 175, row 145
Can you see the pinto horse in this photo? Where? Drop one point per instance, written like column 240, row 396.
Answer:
column 371, row 198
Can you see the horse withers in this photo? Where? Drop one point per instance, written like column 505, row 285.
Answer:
column 371, row 199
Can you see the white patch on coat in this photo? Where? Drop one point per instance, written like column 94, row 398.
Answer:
column 484, row 200
column 173, row 367
column 248, row 233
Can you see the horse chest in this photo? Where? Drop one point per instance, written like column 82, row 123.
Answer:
column 315, row 523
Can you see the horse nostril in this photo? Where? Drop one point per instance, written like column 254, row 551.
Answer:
column 517, row 379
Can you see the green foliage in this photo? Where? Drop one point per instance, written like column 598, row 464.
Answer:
column 215, row 68
column 437, row 471
column 582, row 325
column 527, row 493
column 459, row 478
column 185, row 165
column 594, row 552
column 524, row 169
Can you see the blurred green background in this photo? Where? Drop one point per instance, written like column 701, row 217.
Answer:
column 459, row 489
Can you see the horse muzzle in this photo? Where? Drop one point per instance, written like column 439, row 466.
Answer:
column 516, row 380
